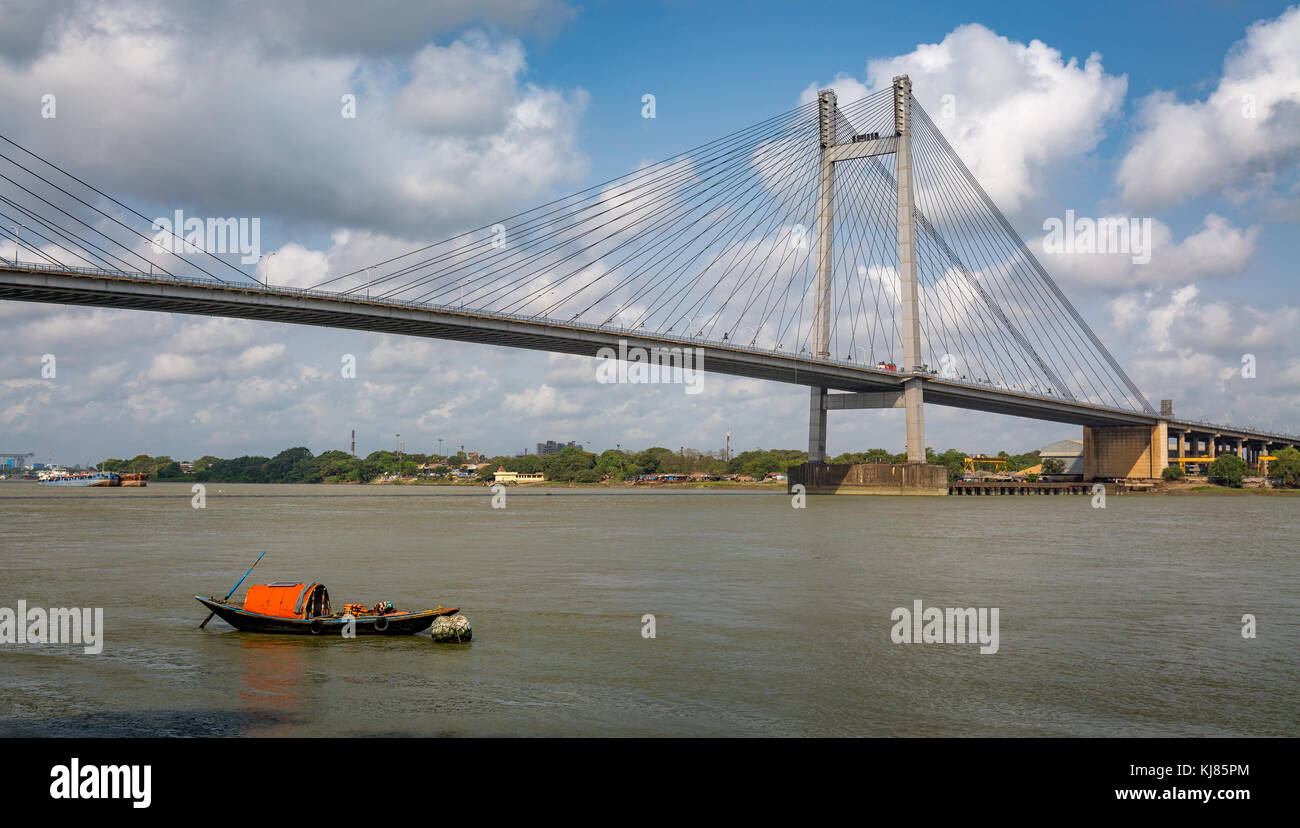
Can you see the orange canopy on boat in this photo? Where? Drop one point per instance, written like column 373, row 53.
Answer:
column 287, row 599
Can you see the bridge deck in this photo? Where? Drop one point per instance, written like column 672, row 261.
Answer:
column 27, row 282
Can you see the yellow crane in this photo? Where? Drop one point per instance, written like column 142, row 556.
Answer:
column 969, row 465
column 1261, row 467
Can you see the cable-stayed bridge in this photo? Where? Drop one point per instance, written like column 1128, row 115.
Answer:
column 842, row 247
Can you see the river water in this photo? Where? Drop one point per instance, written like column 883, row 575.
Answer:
column 768, row 620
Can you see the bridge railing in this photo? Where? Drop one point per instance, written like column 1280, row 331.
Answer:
column 536, row 319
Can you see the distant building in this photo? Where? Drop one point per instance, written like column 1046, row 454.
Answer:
column 1069, row 452
column 503, row 476
column 186, row 466
column 552, row 447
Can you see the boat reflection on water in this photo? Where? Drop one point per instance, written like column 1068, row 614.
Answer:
column 273, row 671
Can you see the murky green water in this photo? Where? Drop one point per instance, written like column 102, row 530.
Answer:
column 770, row 620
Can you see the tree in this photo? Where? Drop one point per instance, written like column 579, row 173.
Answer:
column 290, row 466
column 612, row 463
column 1172, row 473
column 955, row 461
column 203, row 462
column 1053, row 465
column 1020, row 462
column 655, row 459
column 567, row 463
column 1228, row 469
column 1286, row 468
column 167, row 471
column 875, row 455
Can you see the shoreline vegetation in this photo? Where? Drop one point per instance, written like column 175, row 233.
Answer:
column 759, row 469
column 571, row 464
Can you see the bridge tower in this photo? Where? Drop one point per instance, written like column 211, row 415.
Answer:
column 834, row 150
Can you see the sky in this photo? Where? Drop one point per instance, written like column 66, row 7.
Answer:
column 1186, row 114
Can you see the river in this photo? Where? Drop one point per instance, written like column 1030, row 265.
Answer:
column 768, row 620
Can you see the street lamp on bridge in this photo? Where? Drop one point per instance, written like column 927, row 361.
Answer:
column 266, row 272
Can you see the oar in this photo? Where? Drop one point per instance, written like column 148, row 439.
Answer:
column 232, row 591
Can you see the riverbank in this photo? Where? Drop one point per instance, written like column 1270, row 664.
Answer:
column 1180, row 489
column 1198, row 488
column 774, row 485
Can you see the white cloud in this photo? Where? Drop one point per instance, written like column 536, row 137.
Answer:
column 260, row 392
column 257, row 356
column 541, row 401
column 1238, row 139
column 1216, row 249
column 463, row 88
column 152, row 404
column 1017, row 109
column 173, row 368
column 447, row 137
column 1187, row 347
column 204, row 334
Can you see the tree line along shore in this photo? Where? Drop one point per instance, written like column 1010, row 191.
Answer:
column 575, row 465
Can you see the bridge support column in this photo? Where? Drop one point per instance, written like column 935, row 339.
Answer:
column 826, row 110
column 911, row 302
column 913, row 402
column 817, row 426
column 1136, row 452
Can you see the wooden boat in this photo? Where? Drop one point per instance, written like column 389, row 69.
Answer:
column 304, row 609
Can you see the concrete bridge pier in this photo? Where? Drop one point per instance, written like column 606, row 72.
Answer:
column 1138, row 451
column 817, row 426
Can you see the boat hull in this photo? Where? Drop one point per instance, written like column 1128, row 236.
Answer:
column 83, row 481
column 402, row 623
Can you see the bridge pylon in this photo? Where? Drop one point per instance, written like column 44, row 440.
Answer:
column 833, row 150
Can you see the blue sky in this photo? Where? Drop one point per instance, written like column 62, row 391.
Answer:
column 720, row 63
column 221, row 110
